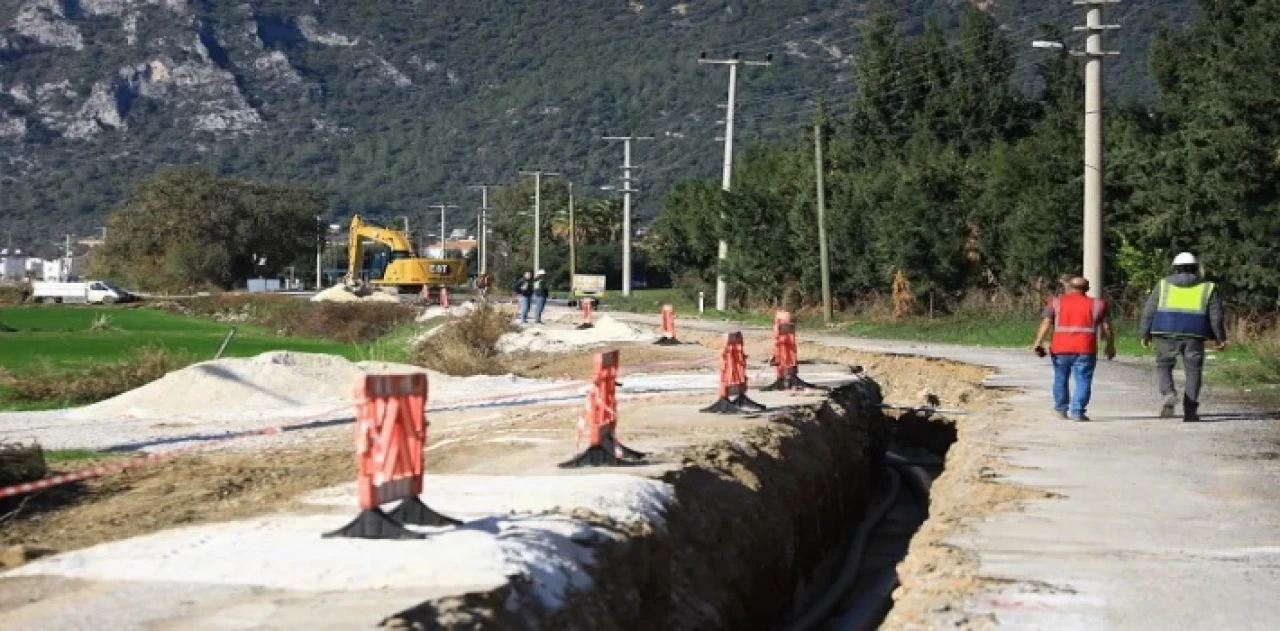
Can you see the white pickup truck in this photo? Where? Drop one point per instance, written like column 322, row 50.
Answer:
column 89, row 291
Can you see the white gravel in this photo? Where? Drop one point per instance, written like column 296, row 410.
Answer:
column 554, row 338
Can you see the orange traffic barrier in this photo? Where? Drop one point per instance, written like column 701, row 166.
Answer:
column 391, row 435
column 668, row 327
column 733, row 379
column 444, row 297
column 599, row 420
column 785, row 357
column 588, row 319
column 425, row 294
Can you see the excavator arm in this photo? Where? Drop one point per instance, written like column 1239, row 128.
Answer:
column 399, row 244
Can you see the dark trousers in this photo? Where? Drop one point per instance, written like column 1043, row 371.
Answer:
column 1192, row 351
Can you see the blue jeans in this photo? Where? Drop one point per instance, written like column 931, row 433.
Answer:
column 524, row 309
column 540, row 303
column 1082, row 367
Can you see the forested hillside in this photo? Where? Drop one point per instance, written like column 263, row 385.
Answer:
column 386, row 106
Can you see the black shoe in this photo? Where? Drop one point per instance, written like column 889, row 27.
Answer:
column 1190, row 411
column 1080, row 418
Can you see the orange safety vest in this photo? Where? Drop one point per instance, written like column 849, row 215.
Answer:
column 1075, row 324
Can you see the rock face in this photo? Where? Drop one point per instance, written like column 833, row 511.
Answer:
column 200, row 77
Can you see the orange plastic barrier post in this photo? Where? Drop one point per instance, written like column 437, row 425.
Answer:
column 444, row 297
column 599, row 420
column 785, row 357
column 588, row 319
column 733, row 379
column 425, row 294
column 391, row 435
column 668, row 327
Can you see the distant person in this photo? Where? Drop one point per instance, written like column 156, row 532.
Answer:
column 540, row 293
column 1075, row 319
column 483, row 282
column 524, row 289
column 1181, row 313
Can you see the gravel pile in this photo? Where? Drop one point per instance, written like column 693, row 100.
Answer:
column 560, row 339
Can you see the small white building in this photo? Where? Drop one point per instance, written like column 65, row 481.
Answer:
column 13, row 266
column 58, row 269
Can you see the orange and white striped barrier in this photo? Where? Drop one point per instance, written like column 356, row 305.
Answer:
column 785, row 356
column 588, row 318
column 733, row 379
column 599, row 419
column 391, row 435
column 444, row 297
column 668, row 327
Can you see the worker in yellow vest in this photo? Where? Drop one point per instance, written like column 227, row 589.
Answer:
column 1182, row 312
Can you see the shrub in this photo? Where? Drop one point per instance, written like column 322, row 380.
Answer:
column 21, row 463
column 12, row 294
column 45, row 381
column 466, row 346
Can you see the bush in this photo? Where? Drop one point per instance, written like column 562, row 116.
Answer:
column 21, row 463
column 45, row 381
column 466, row 346
column 12, row 294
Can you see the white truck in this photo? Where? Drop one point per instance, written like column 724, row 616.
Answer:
column 89, row 291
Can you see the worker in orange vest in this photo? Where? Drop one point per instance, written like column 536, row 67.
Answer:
column 1075, row 319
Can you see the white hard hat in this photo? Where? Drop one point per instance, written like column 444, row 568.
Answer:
column 542, row 272
column 1186, row 258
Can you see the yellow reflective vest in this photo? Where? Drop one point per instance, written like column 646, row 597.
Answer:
column 1183, row 311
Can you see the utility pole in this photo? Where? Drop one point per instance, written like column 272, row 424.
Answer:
column 443, row 236
column 727, row 176
column 482, row 240
column 573, row 245
column 537, row 214
column 1093, row 139
column 321, row 236
column 820, row 168
column 66, row 263
column 627, row 190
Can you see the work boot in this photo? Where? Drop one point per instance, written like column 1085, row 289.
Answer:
column 1190, row 410
column 1062, row 414
column 1170, row 400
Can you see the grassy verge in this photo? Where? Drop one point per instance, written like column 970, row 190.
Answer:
column 686, row 305
column 79, row 354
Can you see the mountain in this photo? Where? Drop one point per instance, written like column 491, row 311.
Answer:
column 388, row 106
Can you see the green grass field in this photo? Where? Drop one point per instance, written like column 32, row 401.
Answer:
column 62, row 334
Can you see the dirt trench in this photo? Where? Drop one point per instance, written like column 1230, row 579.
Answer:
column 753, row 517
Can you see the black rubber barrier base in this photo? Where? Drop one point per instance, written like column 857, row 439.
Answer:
column 413, row 511
column 599, row 456
column 668, row 341
column 374, row 524
column 741, row 404
column 584, row 326
column 794, row 382
column 745, row 404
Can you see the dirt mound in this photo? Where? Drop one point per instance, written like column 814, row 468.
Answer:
column 553, row 339
column 269, row 381
column 339, row 293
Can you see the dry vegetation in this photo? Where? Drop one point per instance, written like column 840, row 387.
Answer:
column 12, row 294
column 344, row 322
column 47, row 381
column 466, row 346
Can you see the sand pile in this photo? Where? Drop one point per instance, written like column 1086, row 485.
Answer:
column 275, row 380
column 339, row 293
column 553, row 339
column 456, row 311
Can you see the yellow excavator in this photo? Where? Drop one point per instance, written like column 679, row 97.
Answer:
column 406, row 272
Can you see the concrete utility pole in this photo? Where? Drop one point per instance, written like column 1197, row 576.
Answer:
column 537, row 214
column 573, row 243
column 321, row 237
column 727, row 177
column 1093, row 139
column 627, row 190
column 482, row 240
column 820, row 169
column 442, row 208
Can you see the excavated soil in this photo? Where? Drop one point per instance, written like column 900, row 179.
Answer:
column 754, row 515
